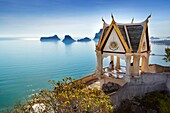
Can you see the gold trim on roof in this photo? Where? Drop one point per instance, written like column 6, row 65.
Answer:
column 113, row 24
column 143, row 35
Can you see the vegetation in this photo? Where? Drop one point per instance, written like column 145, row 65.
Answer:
column 167, row 56
column 154, row 102
column 68, row 96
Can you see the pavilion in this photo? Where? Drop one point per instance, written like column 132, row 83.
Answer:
column 128, row 41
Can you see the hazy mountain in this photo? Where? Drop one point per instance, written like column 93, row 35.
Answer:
column 154, row 37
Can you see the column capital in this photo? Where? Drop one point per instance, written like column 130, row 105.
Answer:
column 128, row 54
column 136, row 54
column 98, row 53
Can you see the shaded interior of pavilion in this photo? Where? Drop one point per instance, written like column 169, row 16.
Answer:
column 115, row 66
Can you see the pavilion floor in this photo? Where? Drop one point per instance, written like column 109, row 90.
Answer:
column 106, row 79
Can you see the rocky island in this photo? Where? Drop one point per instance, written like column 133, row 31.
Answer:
column 97, row 35
column 154, row 38
column 86, row 39
column 68, row 39
column 50, row 38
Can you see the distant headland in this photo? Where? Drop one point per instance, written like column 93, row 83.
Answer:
column 160, row 41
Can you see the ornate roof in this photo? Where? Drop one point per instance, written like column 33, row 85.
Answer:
column 133, row 36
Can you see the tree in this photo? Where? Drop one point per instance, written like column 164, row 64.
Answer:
column 68, row 96
column 167, row 56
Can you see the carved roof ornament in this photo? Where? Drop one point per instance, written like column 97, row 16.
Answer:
column 103, row 20
column 132, row 20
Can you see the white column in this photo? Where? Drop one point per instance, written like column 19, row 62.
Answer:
column 128, row 59
column 118, row 63
column 112, row 59
column 145, row 63
column 136, row 65
column 99, row 67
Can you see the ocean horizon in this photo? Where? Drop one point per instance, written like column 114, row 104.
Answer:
column 27, row 64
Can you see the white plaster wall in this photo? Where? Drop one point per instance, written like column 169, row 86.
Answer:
column 148, row 82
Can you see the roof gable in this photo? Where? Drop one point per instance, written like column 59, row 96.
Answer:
column 104, row 38
column 114, row 44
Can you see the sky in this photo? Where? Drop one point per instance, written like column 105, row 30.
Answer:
column 78, row 18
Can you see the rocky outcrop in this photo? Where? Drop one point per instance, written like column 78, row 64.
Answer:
column 97, row 35
column 50, row 38
column 86, row 39
column 68, row 39
column 110, row 87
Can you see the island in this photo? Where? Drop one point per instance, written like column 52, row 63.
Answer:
column 86, row 39
column 161, row 42
column 68, row 39
column 50, row 38
column 154, row 37
column 97, row 35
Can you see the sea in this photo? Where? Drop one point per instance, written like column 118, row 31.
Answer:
column 27, row 64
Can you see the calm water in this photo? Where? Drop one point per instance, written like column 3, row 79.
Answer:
column 27, row 65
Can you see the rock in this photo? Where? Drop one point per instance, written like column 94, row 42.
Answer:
column 50, row 38
column 97, row 35
column 86, row 39
column 68, row 39
column 110, row 87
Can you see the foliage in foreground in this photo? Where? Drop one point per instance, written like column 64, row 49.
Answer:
column 68, row 96
column 154, row 102
column 167, row 55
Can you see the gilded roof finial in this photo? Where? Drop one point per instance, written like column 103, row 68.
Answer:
column 149, row 16
column 112, row 16
column 103, row 20
column 132, row 20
